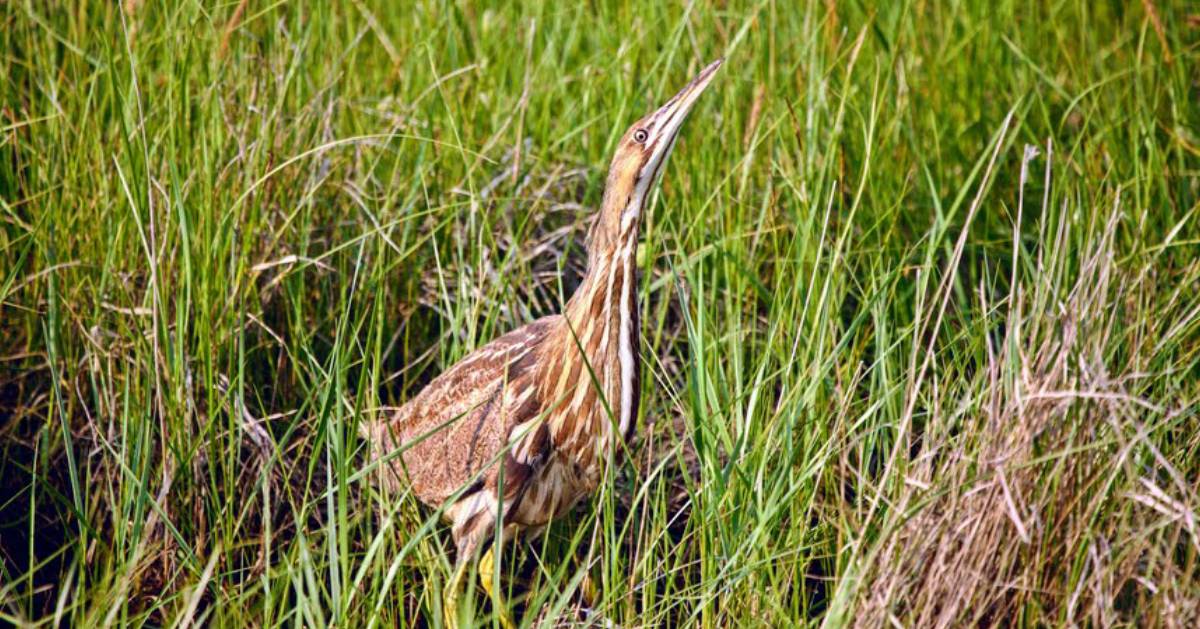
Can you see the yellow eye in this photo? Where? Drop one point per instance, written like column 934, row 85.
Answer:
column 640, row 136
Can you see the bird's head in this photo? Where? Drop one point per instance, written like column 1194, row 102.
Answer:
column 641, row 153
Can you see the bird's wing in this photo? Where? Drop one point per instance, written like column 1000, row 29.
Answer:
column 454, row 432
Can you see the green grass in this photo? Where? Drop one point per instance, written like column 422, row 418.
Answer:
column 900, row 368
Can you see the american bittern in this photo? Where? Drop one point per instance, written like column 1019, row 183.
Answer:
column 520, row 430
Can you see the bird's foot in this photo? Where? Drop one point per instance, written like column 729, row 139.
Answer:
column 487, row 574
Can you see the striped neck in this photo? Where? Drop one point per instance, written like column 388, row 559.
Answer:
column 612, row 265
column 601, row 319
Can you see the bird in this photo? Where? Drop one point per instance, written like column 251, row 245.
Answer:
column 520, row 430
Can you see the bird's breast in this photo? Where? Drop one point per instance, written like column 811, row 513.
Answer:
column 560, row 484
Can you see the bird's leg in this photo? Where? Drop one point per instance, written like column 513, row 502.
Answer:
column 588, row 589
column 487, row 572
column 450, row 596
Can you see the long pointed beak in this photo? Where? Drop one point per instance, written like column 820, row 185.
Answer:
column 664, row 124
column 670, row 116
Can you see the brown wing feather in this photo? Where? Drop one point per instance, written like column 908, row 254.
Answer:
column 458, row 425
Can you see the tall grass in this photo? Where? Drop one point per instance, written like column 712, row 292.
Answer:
column 921, row 327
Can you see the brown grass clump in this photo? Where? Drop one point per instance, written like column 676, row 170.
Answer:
column 1046, row 454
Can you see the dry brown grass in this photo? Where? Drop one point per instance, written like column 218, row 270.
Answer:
column 1048, row 456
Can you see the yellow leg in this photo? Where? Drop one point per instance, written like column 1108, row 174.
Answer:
column 450, row 598
column 588, row 590
column 487, row 573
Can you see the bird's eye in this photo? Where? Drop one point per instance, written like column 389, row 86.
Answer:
column 640, row 136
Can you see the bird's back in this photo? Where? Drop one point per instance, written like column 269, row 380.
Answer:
column 453, row 433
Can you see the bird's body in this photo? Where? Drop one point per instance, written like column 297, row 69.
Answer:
column 563, row 391
column 520, row 430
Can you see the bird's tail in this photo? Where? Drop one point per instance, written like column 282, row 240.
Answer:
column 374, row 433
column 368, row 430
column 377, row 433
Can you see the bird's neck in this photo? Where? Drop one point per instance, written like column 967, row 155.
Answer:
column 600, row 335
column 610, row 282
